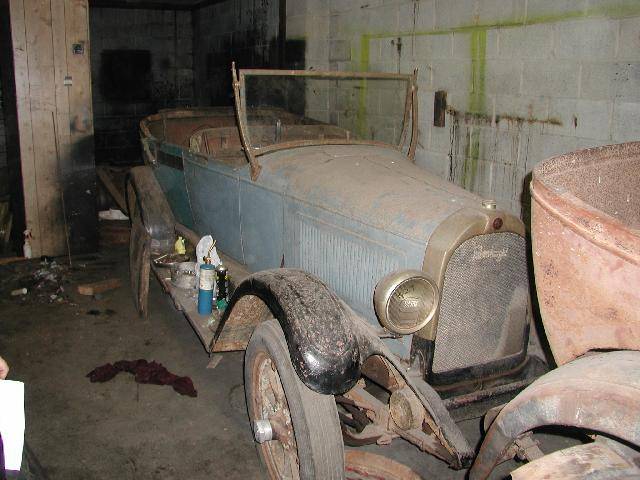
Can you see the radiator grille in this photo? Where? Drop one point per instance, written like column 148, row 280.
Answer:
column 349, row 264
column 483, row 309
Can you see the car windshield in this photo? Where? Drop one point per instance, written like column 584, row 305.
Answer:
column 281, row 109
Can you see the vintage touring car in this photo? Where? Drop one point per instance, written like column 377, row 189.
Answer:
column 374, row 300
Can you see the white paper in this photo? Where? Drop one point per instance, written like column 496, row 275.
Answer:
column 12, row 422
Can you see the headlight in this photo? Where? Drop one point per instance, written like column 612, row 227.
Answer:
column 405, row 301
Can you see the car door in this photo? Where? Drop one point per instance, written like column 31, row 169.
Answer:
column 262, row 222
column 214, row 195
column 168, row 169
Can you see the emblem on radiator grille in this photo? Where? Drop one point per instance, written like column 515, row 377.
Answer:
column 485, row 253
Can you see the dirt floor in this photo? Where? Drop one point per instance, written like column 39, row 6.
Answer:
column 53, row 337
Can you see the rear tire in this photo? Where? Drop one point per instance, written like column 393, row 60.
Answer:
column 311, row 446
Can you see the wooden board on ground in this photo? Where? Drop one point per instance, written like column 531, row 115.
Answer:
column 99, row 287
column 7, row 260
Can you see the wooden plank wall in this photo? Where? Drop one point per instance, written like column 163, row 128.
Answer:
column 55, row 122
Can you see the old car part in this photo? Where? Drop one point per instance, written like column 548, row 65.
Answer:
column 361, row 465
column 306, row 443
column 152, row 222
column 598, row 393
column 405, row 301
column 586, row 258
column 366, row 418
column 585, row 206
column 602, row 459
column 469, row 260
column 252, row 151
column 262, row 431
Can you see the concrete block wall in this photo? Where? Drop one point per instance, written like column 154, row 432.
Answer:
column 525, row 79
column 168, row 36
column 243, row 31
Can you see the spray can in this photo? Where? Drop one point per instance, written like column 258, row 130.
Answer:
column 222, row 286
column 205, row 290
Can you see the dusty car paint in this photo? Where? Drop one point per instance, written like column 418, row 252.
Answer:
column 349, row 214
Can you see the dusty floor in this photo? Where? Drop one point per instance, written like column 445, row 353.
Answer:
column 120, row 429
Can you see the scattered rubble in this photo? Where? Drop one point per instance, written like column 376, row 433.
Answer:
column 34, row 280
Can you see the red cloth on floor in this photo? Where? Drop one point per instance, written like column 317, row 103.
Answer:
column 145, row 372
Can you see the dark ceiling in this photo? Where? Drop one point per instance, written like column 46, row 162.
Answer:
column 153, row 4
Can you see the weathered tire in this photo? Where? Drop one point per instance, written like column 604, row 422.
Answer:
column 314, row 417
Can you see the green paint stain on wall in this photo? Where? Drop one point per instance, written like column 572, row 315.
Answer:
column 616, row 9
column 477, row 104
column 478, row 67
column 361, row 115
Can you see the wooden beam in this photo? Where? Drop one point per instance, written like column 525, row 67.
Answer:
column 23, row 110
column 78, row 166
column 53, row 97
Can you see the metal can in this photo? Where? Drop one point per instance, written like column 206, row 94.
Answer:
column 205, row 292
column 222, row 282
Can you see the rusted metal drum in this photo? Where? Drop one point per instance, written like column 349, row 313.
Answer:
column 586, row 249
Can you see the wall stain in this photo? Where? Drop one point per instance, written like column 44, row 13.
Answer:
column 465, row 168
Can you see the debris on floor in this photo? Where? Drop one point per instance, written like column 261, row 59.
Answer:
column 145, row 372
column 34, row 280
column 102, row 286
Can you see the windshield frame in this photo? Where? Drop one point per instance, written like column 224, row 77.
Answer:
column 410, row 115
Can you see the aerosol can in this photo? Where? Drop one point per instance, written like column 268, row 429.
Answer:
column 222, row 287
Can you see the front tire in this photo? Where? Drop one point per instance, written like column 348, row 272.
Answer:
column 308, row 442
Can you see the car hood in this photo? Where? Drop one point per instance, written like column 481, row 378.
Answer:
column 377, row 186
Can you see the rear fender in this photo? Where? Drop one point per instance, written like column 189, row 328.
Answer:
column 146, row 198
column 600, row 393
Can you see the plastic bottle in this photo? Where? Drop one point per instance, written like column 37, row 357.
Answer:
column 179, row 246
column 26, row 248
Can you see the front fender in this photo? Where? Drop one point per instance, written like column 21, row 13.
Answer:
column 322, row 343
column 598, row 393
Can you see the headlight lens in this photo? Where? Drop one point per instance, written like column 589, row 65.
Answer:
column 405, row 301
